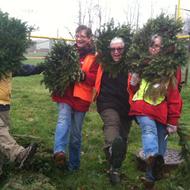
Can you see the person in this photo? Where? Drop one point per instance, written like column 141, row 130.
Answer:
column 9, row 148
column 156, row 117
column 112, row 100
column 75, row 102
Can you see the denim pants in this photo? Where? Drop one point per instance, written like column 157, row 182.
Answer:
column 69, row 133
column 153, row 136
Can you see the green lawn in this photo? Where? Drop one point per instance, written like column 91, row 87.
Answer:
column 34, row 118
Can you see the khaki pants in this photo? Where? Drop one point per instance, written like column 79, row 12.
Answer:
column 114, row 126
column 8, row 146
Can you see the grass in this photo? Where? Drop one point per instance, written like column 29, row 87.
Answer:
column 33, row 118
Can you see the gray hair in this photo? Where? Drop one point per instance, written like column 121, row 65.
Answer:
column 117, row 40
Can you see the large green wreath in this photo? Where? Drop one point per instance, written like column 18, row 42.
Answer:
column 61, row 67
column 14, row 39
column 162, row 67
column 104, row 35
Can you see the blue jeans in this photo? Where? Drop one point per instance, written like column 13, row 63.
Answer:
column 69, row 132
column 153, row 136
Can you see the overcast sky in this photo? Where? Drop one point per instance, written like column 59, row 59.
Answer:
column 58, row 17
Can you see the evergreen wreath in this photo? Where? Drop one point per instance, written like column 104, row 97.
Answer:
column 61, row 67
column 14, row 39
column 159, row 69
column 104, row 35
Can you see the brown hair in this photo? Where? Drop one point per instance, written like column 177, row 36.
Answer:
column 84, row 27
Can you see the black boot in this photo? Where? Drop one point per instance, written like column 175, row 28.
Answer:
column 118, row 150
column 154, row 170
column 114, row 175
column 158, row 167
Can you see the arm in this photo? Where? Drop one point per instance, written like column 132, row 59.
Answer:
column 133, row 82
column 174, row 102
column 27, row 70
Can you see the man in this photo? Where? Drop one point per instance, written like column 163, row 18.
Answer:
column 113, row 107
column 75, row 103
column 9, row 148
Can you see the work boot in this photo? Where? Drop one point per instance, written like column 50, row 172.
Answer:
column 148, row 180
column 114, row 175
column 154, row 170
column 26, row 155
column 158, row 167
column 118, row 151
column 60, row 159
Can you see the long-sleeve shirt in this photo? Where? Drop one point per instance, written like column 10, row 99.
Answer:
column 6, row 85
column 76, row 103
column 167, row 112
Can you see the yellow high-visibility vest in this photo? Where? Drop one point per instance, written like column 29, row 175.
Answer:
column 139, row 95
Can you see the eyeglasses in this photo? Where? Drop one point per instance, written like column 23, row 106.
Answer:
column 153, row 45
column 119, row 50
column 80, row 36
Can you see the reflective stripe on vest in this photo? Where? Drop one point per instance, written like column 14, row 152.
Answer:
column 139, row 95
column 81, row 90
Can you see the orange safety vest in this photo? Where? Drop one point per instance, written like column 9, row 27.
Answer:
column 98, row 82
column 81, row 90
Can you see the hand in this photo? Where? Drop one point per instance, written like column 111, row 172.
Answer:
column 171, row 128
column 82, row 76
column 135, row 79
column 78, row 76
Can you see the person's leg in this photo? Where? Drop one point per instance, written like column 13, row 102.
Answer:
column 114, row 143
column 75, row 140
column 111, row 128
column 9, row 147
column 62, row 134
column 162, row 142
column 149, row 135
column 124, row 131
column 151, row 149
column 62, row 128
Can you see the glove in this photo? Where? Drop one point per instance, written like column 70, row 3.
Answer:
column 171, row 128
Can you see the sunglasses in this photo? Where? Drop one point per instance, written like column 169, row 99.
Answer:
column 119, row 50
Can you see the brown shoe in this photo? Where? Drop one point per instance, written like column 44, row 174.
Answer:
column 26, row 155
column 148, row 184
column 60, row 159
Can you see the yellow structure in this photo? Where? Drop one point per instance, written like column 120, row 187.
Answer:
column 179, row 9
column 52, row 38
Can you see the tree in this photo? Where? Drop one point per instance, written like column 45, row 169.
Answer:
column 14, row 40
column 132, row 13
column 92, row 14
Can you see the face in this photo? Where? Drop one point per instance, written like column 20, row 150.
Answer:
column 155, row 47
column 82, row 40
column 117, row 50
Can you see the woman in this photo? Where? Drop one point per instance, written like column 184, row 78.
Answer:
column 157, row 116
column 113, row 107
